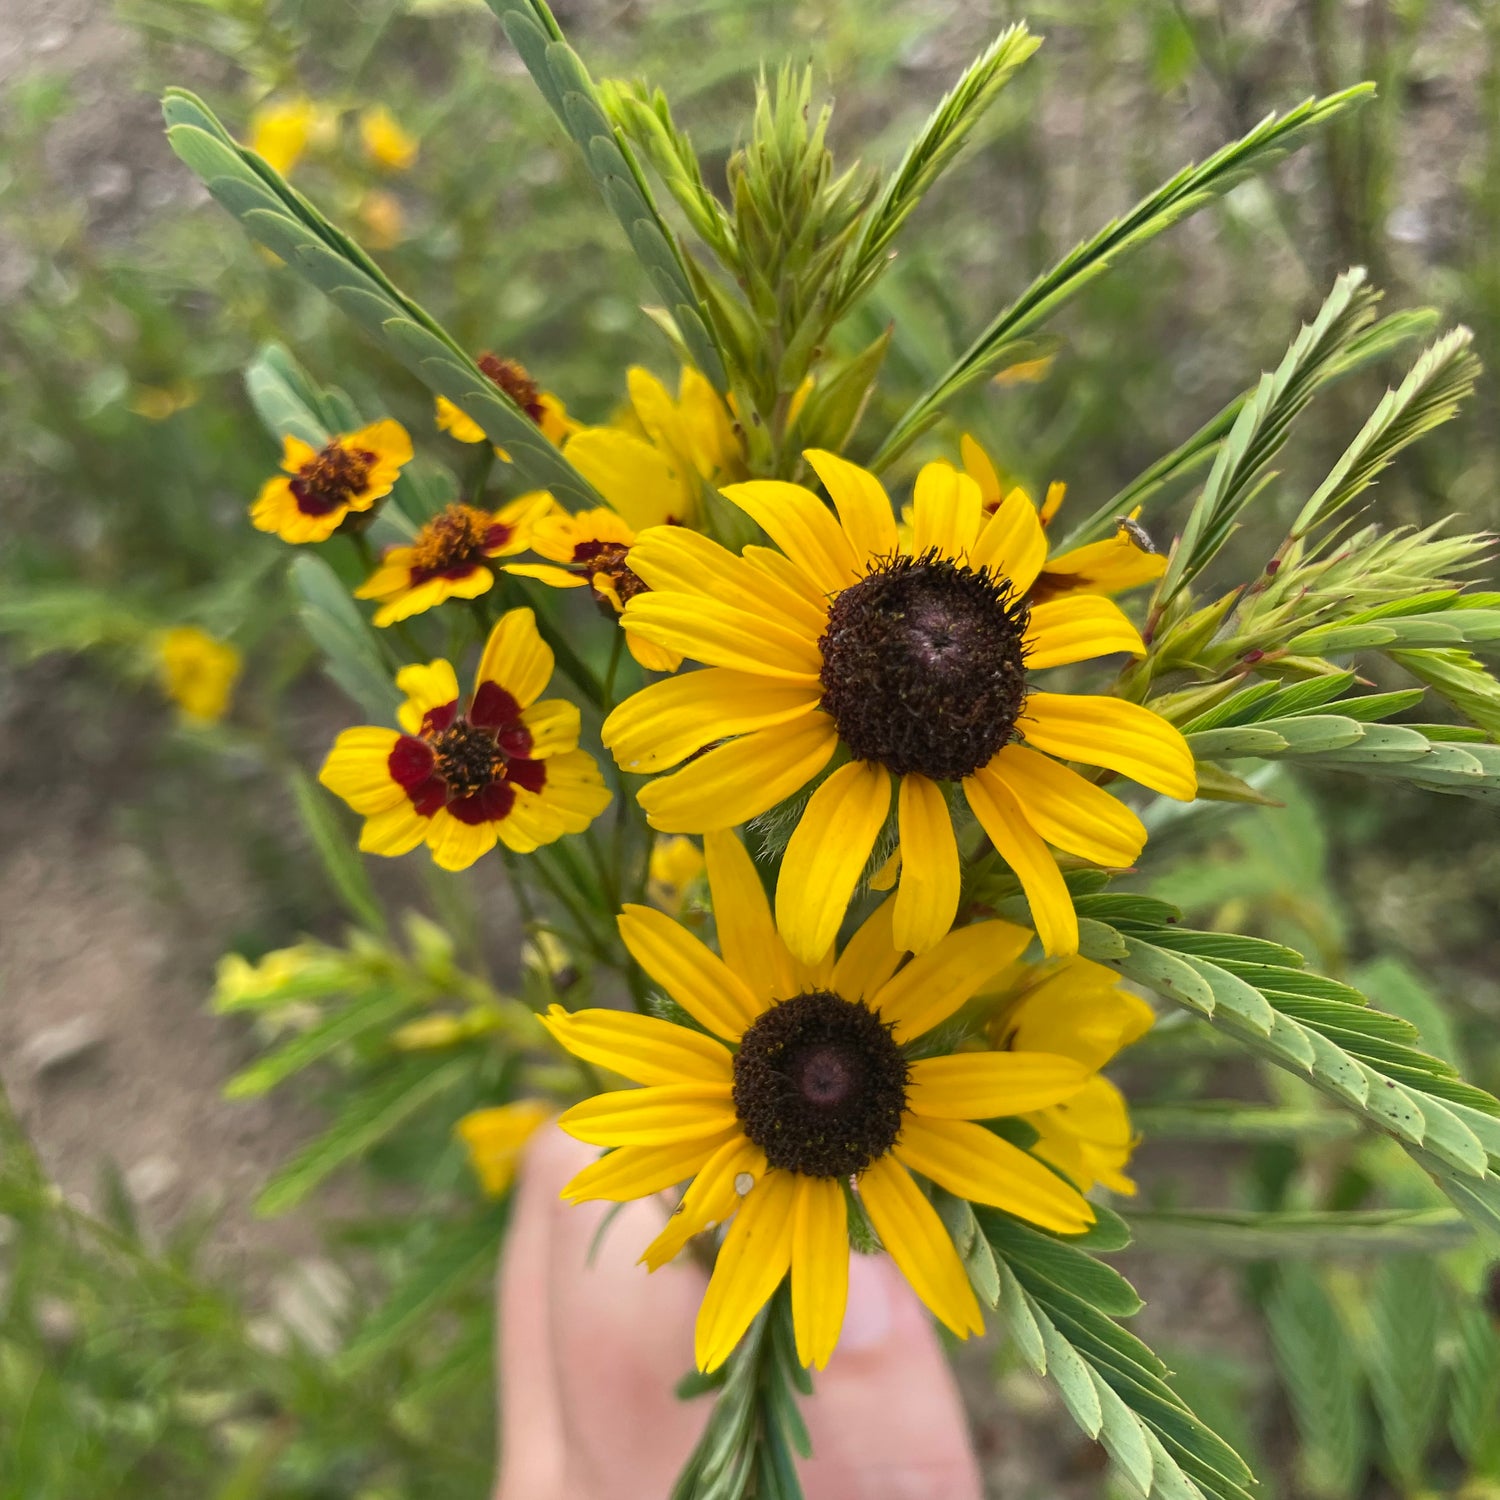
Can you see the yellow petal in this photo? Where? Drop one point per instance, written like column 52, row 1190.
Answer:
column 736, row 782
column 1124, row 737
column 864, row 507
column 980, row 469
column 802, row 526
column 748, row 938
column 638, row 1171
column 455, row 844
column 554, row 725
column 976, row 1164
column 1079, row 1011
column 1107, row 567
column 827, row 854
column 495, row 1138
column 653, row 1116
column 358, row 769
column 927, row 899
column 1012, row 543
column 719, row 634
column 668, row 721
column 869, row 958
column 1068, row 811
column 276, row 510
column 987, row 1085
column 911, row 1231
column 712, row 1199
column 1020, row 846
column 429, row 594
column 696, row 978
column 457, row 424
column 946, row 512
column 553, row 577
column 934, row 984
column 516, row 657
column 754, row 1257
column 639, row 481
column 426, row 687
column 1078, row 628
column 643, row 1049
column 398, row 830
column 820, row 1268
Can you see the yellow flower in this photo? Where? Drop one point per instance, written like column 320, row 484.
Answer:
column 350, row 472
column 497, row 1137
column 385, row 224
column 913, row 660
column 1078, row 1009
column 280, row 130
column 510, row 376
column 158, row 402
column 238, row 983
column 676, row 865
column 197, row 671
column 503, row 767
column 801, row 1081
column 449, row 556
column 592, row 547
column 1107, row 567
column 385, row 142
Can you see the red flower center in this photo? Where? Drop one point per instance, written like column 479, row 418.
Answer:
column 331, row 478
column 470, row 763
column 510, row 375
column 593, row 558
column 454, row 542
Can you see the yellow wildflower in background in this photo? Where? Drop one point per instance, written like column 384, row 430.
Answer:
column 914, row 659
column 197, row 672
column 502, row 767
column 321, row 486
column 449, row 557
column 385, row 142
column 801, row 1082
column 676, row 865
column 281, row 129
column 496, row 1139
column 1078, row 1009
column 545, row 409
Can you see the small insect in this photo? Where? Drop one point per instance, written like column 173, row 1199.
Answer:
column 1136, row 532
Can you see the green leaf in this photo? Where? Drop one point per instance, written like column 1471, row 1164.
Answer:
column 352, row 657
column 366, row 1120
column 1071, row 1269
column 1229, row 1120
column 1242, row 1234
column 343, row 866
column 1187, row 192
column 369, row 1013
column 459, row 1258
column 1406, row 1309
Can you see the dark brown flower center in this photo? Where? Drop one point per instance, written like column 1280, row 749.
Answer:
column 510, row 375
column 467, row 758
column 331, row 478
column 455, row 538
column 820, row 1085
column 608, row 559
column 924, row 666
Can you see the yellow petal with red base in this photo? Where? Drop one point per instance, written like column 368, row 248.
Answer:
column 434, row 685
column 358, row 769
column 516, row 657
column 554, row 725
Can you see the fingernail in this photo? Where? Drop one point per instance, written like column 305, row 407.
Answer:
column 867, row 1320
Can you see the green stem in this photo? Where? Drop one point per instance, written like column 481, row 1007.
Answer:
column 615, row 652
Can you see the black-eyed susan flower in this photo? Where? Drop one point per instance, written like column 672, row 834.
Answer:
column 385, row 142
column 321, row 486
column 510, row 376
column 1123, row 561
column 1077, row 1009
column 450, row 557
column 459, row 777
column 197, row 672
column 803, row 1081
column 913, row 662
column 496, row 1139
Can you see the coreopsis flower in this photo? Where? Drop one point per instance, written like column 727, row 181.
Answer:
column 675, row 867
column 460, row 776
column 803, row 1080
column 510, row 376
column 651, row 467
column 1078, row 1009
column 496, row 1139
column 449, row 559
column 280, row 130
column 914, row 663
column 197, row 672
column 320, row 486
column 385, row 142
column 589, row 549
column 1121, row 562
